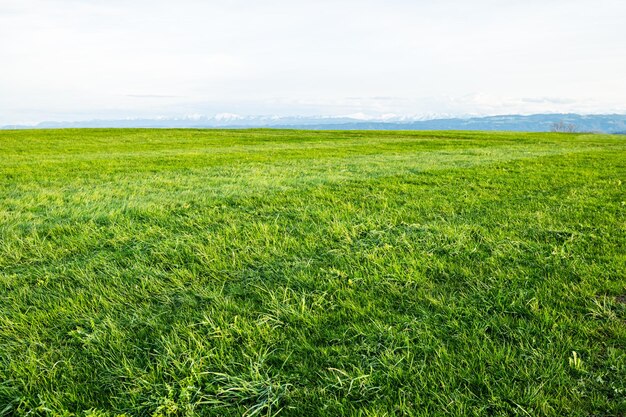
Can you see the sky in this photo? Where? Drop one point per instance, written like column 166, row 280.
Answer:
column 72, row 60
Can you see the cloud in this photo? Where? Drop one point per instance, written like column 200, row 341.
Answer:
column 83, row 59
column 156, row 96
column 548, row 100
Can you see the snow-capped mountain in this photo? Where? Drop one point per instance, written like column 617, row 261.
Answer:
column 611, row 123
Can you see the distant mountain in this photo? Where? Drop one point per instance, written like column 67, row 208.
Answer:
column 534, row 123
column 609, row 123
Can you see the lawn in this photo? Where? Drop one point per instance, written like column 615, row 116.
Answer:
column 302, row 273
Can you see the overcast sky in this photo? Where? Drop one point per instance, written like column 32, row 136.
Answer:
column 101, row 59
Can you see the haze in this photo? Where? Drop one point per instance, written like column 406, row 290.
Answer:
column 80, row 60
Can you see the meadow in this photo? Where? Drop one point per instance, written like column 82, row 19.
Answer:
column 312, row 273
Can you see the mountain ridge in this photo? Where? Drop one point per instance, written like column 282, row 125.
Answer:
column 602, row 123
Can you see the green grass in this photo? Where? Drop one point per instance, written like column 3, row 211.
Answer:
column 297, row 273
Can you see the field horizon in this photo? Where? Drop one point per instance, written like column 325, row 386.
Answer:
column 538, row 122
column 273, row 272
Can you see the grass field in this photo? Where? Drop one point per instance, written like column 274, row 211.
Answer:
column 297, row 273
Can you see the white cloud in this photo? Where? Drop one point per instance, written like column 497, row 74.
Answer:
column 77, row 59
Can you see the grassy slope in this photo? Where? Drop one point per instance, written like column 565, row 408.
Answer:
column 312, row 273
